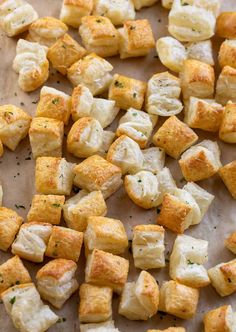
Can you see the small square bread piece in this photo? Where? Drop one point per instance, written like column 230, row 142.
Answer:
column 228, row 175
column 80, row 207
column 226, row 86
column 223, row 277
column 118, row 11
column 227, row 132
column 13, row 272
column 46, row 209
column 96, row 173
column 179, row 211
column 171, row 52
column 230, row 242
column 93, row 72
column 31, row 241
column 64, row 243
column 99, row 35
column 163, row 93
column 85, row 137
column 10, row 223
column 227, row 54
column 143, row 189
column 26, row 309
column 46, row 137
column 53, row 176
column 135, row 39
column 138, row 4
column 203, row 114
column 201, row 196
column 46, row 30
column 147, row 190
column 73, row 10
column 14, row 125
column 153, row 159
column 95, row 304
column 221, row 319
column 225, row 25
column 178, row 300
column 170, row 329
column 84, row 105
column 54, row 104
column 192, row 22
column 187, row 259
column 201, row 161
column 166, row 4
column 148, row 247
column 106, row 269
column 126, row 154
column 174, row 137
column 197, row 79
column 34, row 75
column 106, row 234
column 16, row 16
column 140, row 299
column 201, row 51
column 127, row 92
column 56, row 281
column 64, row 53
column 137, row 125
column 108, row 326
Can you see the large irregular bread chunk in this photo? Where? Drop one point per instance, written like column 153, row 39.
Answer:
column 16, row 16
column 140, row 299
column 56, row 281
column 26, row 309
column 163, row 93
column 189, row 22
column 148, row 247
column 187, row 259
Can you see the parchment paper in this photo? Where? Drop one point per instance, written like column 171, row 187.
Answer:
column 17, row 176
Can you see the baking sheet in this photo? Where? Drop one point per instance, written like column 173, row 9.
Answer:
column 17, row 176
